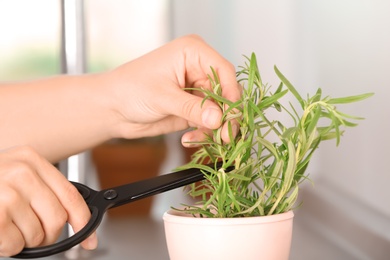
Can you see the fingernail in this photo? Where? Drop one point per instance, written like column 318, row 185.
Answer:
column 188, row 140
column 234, row 130
column 92, row 241
column 211, row 118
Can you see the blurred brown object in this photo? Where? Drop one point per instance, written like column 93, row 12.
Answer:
column 188, row 152
column 120, row 162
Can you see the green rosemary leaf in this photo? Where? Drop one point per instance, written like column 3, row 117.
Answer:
column 270, row 100
column 252, row 72
column 239, row 177
column 268, row 145
column 317, row 96
column 289, row 202
column 350, row 99
column 313, row 121
column 349, row 124
column 216, row 77
column 350, row 116
column 280, row 87
column 291, row 166
column 287, row 83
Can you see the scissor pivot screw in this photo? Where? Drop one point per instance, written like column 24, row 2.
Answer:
column 110, row 194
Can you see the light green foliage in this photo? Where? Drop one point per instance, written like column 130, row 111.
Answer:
column 269, row 157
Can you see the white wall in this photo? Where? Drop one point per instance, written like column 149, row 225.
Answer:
column 350, row 41
column 342, row 47
column 236, row 28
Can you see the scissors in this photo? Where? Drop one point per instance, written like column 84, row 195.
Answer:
column 101, row 201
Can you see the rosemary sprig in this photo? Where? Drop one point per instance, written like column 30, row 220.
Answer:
column 269, row 157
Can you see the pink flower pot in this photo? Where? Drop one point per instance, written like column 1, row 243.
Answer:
column 251, row 238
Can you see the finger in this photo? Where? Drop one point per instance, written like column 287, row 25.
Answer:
column 51, row 214
column 168, row 124
column 35, row 209
column 77, row 212
column 29, row 225
column 199, row 61
column 209, row 119
column 91, row 242
column 11, row 239
column 192, row 138
column 190, row 107
column 231, row 89
column 229, row 131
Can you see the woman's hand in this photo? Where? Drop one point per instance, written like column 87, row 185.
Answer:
column 149, row 95
column 64, row 115
column 35, row 202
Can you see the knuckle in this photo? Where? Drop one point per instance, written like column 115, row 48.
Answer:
column 26, row 152
column 9, row 197
column 36, row 239
column 195, row 37
column 62, row 217
column 230, row 66
column 78, row 214
column 192, row 37
column 52, row 230
column 72, row 195
column 189, row 107
column 17, row 171
column 4, row 221
column 59, row 222
column 191, row 42
column 22, row 173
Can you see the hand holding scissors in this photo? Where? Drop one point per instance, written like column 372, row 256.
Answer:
column 100, row 201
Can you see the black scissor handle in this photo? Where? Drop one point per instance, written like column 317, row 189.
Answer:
column 67, row 243
column 100, row 201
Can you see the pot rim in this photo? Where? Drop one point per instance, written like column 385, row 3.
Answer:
column 173, row 216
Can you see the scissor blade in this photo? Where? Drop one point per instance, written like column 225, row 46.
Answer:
column 145, row 188
column 168, row 182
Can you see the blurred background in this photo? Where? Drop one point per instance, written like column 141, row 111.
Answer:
column 340, row 46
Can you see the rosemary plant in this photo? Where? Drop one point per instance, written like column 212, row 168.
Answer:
column 269, row 158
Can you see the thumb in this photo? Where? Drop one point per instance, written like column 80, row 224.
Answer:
column 191, row 108
column 211, row 116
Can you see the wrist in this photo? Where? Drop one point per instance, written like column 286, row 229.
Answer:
column 102, row 93
column 112, row 98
